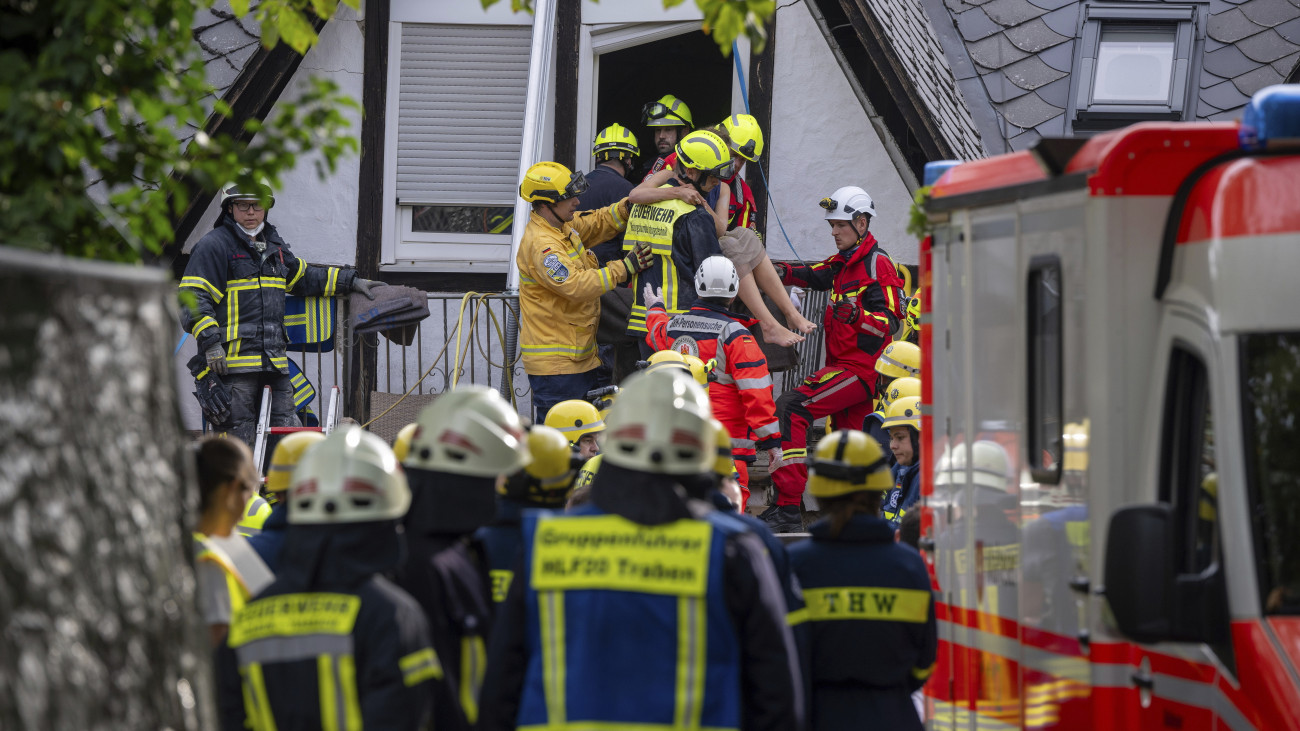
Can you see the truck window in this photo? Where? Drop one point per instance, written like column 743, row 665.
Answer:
column 1188, row 476
column 1270, row 412
column 1045, row 427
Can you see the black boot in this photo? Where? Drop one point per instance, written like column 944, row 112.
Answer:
column 784, row 519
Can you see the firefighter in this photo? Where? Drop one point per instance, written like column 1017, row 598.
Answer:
column 870, row 609
column 903, row 422
column 284, row 459
column 580, row 423
column 741, row 394
column 874, row 423
column 863, row 310
column 543, row 483
column 615, row 150
column 228, row 572
column 561, row 283
column 239, row 273
column 669, row 120
column 681, row 235
column 332, row 643
column 581, row 492
column 631, row 609
column 467, row 439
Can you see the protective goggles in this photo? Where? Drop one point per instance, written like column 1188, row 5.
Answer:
column 831, row 204
column 723, row 172
column 746, row 150
column 577, row 186
column 655, row 111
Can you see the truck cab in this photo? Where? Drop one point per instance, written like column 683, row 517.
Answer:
column 1111, row 442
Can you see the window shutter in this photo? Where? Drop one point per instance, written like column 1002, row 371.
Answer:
column 460, row 108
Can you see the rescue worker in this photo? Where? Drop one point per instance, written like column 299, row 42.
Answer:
column 903, row 422
column 580, row 423
column 862, row 312
column 332, row 643
column 900, row 359
column 615, row 150
column 239, row 273
column 467, row 439
column 290, row 449
column 870, row 609
column 635, row 609
column 581, row 492
column 543, row 483
column 255, row 514
column 669, row 120
column 560, row 283
column 741, row 394
column 228, row 572
column 873, row 424
column 681, row 235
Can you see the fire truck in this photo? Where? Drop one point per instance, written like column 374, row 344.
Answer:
column 1111, row 436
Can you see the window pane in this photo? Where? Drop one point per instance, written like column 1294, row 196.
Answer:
column 1270, row 371
column 1044, row 397
column 1134, row 64
column 462, row 219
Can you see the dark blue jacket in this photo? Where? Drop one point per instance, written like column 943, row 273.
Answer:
column 873, row 425
column 605, row 187
column 270, row 541
column 904, row 494
column 502, row 543
column 871, row 616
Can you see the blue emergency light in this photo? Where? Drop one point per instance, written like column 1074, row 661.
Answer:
column 1272, row 119
column 935, row 170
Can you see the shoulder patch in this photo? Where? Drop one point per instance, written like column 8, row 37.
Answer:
column 554, row 268
column 686, row 345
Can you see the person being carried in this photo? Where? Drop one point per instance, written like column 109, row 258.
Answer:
column 733, row 210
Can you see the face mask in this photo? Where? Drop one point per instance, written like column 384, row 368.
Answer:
column 254, row 231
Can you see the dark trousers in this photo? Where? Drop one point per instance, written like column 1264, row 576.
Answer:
column 551, row 390
column 246, row 403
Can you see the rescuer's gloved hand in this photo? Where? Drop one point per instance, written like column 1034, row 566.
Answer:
column 365, row 286
column 846, row 312
column 639, row 258
column 782, row 269
column 216, row 357
column 214, row 398
column 651, row 296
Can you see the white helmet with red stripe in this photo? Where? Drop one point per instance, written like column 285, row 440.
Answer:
column 661, row 424
column 351, row 476
column 471, row 431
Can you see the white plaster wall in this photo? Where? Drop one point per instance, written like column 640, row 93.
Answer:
column 318, row 217
column 822, row 140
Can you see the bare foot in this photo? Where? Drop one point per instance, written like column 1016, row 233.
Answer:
column 800, row 323
column 777, row 335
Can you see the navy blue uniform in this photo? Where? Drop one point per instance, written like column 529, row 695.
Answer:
column 904, row 494
column 604, row 188
column 502, row 544
column 871, row 615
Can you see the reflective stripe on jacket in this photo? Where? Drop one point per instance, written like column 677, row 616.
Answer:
column 592, row 579
column 560, row 284
column 682, row 236
column 205, row 550
column 240, row 292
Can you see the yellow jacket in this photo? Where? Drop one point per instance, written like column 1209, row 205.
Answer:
column 560, row 284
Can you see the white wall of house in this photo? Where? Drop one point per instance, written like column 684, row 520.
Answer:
column 821, row 140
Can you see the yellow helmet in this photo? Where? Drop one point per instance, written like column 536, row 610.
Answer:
column 847, row 461
column 615, row 142
column 1075, row 437
column 899, row 388
column 402, row 444
column 587, row 473
column 705, row 151
column 547, row 478
column 900, row 359
column 575, row 419
column 674, row 359
column 746, row 136
column 256, row 511
column 905, row 411
column 669, row 111
column 286, row 456
column 723, row 465
column 914, row 312
column 551, row 182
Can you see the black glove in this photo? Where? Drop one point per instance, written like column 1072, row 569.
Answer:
column 214, row 398
column 366, row 286
column 639, row 258
column 846, row 312
column 216, row 357
column 782, row 270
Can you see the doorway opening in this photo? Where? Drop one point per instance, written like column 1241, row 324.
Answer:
column 688, row 66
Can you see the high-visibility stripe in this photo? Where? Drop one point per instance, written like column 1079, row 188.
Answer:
column 691, row 643
column 923, row 673
column 742, row 443
column 473, row 659
column 351, row 700
column 261, row 718
column 550, row 606
column 329, row 717
column 193, row 282
column 557, row 349
column 615, row 211
column 525, row 279
column 302, row 269
column 749, row 384
column 597, row 425
column 332, row 282
column 768, row 430
column 875, row 325
column 203, row 324
column 616, row 726
column 420, row 666
column 867, row 603
column 798, row 616
column 605, row 282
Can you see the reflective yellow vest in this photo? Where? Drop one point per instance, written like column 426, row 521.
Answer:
column 653, row 223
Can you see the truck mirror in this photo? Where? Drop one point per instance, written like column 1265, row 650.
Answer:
column 1150, row 600
column 1140, row 571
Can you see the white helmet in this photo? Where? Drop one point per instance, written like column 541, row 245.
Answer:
column 990, row 466
column 471, row 431
column 847, row 203
column 350, row 476
column 661, row 424
column 717, row 277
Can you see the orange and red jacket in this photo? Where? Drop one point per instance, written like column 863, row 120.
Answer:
column 742, row 389
column 868, row 278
